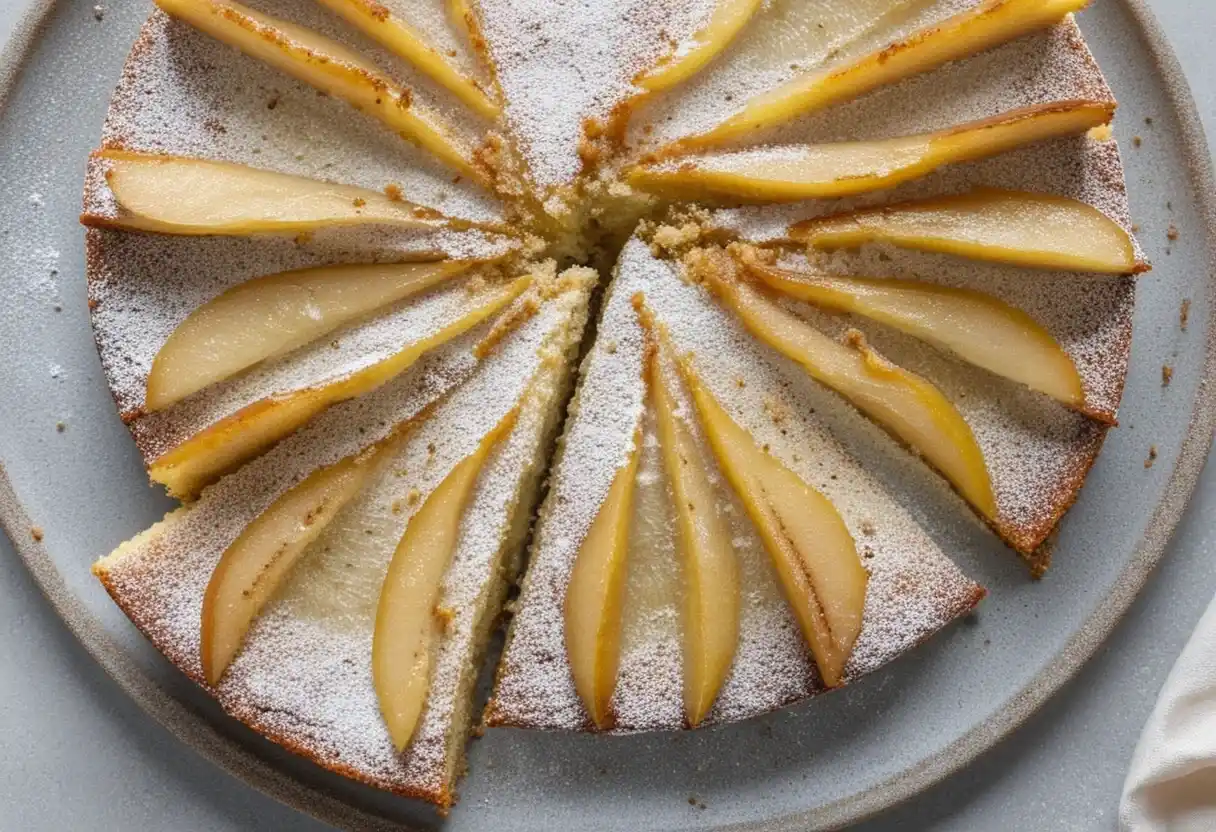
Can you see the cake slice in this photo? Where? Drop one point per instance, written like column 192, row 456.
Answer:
column 913, row 589
column 303, row 675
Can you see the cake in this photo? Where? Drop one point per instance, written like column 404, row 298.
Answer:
column 664, row 313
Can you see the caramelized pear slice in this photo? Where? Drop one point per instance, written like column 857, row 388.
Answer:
column 595, row 595
column 180, row 195
column 686, row 59
column 272, row 315
column 902, row 402
column 251, row 570
column 403, row 40
column 409, row 622
column 824, row 171
column 976, row 327
column 202, row 458
column 810, row 546
column 1039, row 231
column 711, row 570
column 330, row 67
column 981, row 27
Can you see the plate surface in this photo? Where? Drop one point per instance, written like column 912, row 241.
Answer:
column 82, row 490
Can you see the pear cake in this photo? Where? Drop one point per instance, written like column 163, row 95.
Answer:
column 675, row 316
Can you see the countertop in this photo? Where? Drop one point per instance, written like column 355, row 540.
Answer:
column 76, row 753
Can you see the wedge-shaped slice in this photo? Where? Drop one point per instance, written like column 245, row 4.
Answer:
column 711, row 569
column 904, row 403
column 824, row 171
column 810, row 546
column 596, row 593
column 987, row 24
column 330, row 67
column 403, row 40
column 202, row 458
column 272, row 315
column 977, row 327
column 252, row 568
column 686, row 59
column 1039, row 231
column 409, row 621
column 180, row 195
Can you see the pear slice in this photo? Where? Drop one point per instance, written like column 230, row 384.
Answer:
column 711, row 570
column 408, row 620
column 810, row 546
column 204, row 457
column 981, row 27
column 181, row 195
column 824, row 171
column 403, row 40
column 976, row 327
column 1040, row 231
column 330, row 67
column 595, row 595
column 905, row 404
column 686, row 59
column 251, row 570
column 271, row 315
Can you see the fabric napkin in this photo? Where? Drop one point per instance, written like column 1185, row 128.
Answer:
column 1172, row 782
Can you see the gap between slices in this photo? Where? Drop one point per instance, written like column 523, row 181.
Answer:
column 183, row 195
column 596, row 592
column 808, row 543
column 687, row 59
column 251, row 569
column 710, row 566
column 1039, row 231
column 982, row 27
column 977, row 327
column 269, row 316
column 908, row 406
column 396, row 35
column 409, row 621
column 207, row 455
column 823, row 171
column 330, row 67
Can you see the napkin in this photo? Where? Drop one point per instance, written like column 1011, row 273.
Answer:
column 1172, row 781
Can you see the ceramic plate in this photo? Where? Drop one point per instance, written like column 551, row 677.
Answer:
column 74, row 480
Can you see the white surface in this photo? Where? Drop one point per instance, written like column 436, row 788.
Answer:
column 1172, row 781
column 75, row 753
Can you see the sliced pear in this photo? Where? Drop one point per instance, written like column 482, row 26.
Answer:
column 902, row 402
column 408, row 621
column 204, row 457
column 272, row 315
column 686, row 59
column 330, row 67
column 180, row 195
column 981, row 27
column 711, row 570
column 1040, row 231
column 977, row 327
column 255, row 565
column 403, row 40
column 596, row 593
column 810, row 546
column 824, row 171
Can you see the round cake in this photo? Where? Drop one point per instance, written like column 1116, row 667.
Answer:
column 667, row 336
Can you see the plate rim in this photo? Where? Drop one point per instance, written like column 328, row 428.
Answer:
column 242, row 762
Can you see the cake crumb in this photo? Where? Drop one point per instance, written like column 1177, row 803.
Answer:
column 1167, row 375
column 413, row 497
column 60, row 427
column 36, row 533
column 99, row 12
column 1137, row 141
column 393, row 192
column 1172, row 232
column 1184, row 313
column 1152, row 456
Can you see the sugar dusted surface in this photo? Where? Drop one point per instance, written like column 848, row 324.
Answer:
column 914, row 590
column 304, row 676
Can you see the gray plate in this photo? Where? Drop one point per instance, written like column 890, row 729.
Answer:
column 822, row 764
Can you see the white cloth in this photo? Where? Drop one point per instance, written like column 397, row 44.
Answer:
column 1172, row 782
